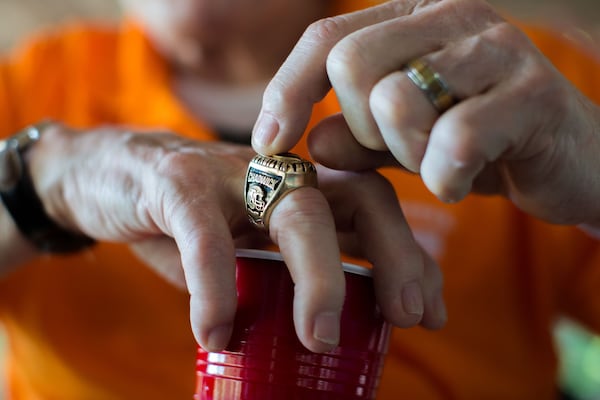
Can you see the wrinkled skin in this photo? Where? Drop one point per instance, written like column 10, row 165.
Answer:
column 519, row 129
column 179, row 204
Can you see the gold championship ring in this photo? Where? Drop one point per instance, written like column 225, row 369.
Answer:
column 269, row 179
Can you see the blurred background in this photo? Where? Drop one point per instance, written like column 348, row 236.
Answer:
column 578, row 19
column 21, row 16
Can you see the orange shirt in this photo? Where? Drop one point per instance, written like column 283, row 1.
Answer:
column 100, row 325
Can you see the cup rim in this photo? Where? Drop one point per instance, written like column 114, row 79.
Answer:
column 276, row 256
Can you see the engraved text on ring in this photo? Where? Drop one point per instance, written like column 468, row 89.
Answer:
column 265, row 180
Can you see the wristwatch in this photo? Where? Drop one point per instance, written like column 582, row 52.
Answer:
column 22, row 202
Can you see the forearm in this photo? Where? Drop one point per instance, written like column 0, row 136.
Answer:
column 26, row 228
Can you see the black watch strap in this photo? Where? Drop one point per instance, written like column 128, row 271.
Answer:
column 27, row 211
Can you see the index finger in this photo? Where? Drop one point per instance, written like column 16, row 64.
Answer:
column 302, row 79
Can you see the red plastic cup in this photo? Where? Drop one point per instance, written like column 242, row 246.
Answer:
column 265, row 360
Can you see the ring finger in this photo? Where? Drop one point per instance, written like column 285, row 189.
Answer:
column 403, row 113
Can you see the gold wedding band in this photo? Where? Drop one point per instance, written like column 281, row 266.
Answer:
column 430, row 83
column 269, row 179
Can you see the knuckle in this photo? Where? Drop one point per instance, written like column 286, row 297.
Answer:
column 346, row 62
column 467, row 10
column 481, row 45
column 302, row 214
column 537, row 83
column 281, row 92
column 328, row 30
column 389, row 101
column 506, row 36
column 173, row 163
column 327, row 287
column 146, row 148
column 301, row 208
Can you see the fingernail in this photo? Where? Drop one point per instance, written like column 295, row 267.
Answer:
column 412, row 299
column 265, row 130
column 327, row 328
column 218, row 338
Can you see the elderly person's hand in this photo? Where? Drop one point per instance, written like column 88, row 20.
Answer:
column 518, row 127
column 180, row 204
